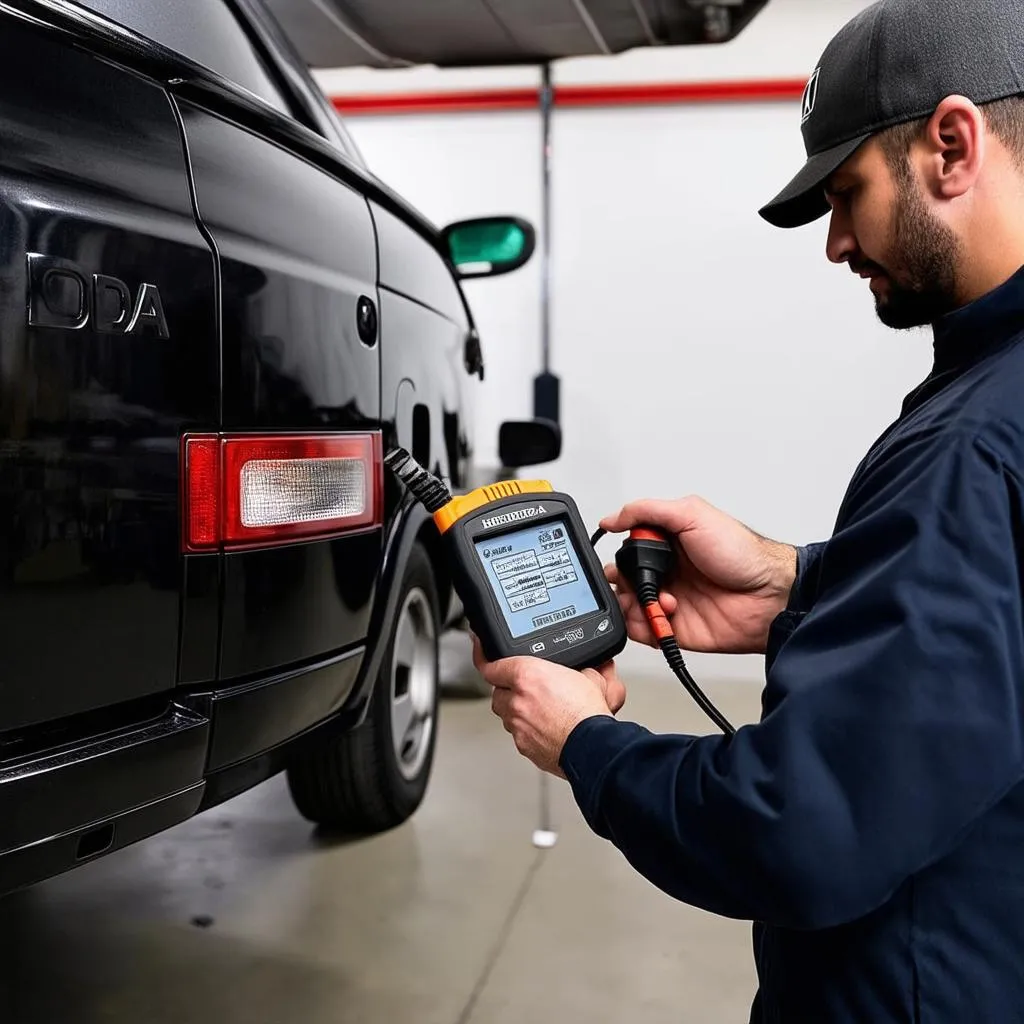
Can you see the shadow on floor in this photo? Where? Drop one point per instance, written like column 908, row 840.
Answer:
column 194, row 926
column 64, row 965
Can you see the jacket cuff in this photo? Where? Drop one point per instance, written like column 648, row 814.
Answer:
column 585, row 759
column 808, row 561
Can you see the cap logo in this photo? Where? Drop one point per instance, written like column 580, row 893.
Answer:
column 810, row 96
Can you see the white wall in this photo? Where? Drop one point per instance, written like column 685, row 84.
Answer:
column 700, row 350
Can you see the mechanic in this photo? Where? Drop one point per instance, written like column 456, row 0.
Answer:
column 871, row 823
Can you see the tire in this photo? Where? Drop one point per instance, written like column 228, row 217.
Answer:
column 364, row 781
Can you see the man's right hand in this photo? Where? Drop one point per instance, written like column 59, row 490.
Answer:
column 729, row 583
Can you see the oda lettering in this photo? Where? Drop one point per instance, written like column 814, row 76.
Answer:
column 61, row 294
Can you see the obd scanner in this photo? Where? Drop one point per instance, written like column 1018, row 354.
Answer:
column 524, row 568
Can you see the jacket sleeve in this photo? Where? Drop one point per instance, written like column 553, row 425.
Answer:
column 893, row 716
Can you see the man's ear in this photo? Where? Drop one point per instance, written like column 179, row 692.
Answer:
column 953, row 148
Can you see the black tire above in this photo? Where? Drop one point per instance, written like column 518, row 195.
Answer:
column 375, row 777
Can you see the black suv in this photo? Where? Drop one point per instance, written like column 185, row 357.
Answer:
column 214, row 322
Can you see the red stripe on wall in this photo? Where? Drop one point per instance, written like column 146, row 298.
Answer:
column 571, row 96
column 438, row 102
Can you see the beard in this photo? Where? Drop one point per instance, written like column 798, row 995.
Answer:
column 924, row 255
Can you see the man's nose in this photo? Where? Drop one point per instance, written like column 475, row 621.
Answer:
column 842, row 243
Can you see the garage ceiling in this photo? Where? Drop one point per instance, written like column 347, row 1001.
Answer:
column 460, row 33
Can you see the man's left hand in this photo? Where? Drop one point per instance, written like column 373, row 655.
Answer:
column 540, row 703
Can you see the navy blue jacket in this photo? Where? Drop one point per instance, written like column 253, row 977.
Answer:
column 871, row 824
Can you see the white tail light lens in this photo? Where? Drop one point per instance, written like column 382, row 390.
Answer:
column 272, row 489
column 302, row 491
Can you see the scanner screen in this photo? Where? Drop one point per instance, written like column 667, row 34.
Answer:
column 537, row 577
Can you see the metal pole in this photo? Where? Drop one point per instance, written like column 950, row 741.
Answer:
column 546, row 384
column 545, row 836
column 546, row 103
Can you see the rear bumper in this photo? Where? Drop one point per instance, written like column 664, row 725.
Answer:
column 253, row 718
column 64, row 807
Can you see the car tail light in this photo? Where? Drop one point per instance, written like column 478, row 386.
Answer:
column 244, row 491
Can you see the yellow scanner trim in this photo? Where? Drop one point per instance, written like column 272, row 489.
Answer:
column 460, row 507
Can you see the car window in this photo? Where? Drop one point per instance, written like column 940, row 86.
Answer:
column 204, row 30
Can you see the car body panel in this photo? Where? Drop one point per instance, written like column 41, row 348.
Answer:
column 95, row 184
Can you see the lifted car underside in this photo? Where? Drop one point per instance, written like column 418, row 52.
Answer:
column 397, row 33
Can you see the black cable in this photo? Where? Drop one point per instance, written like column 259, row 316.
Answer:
column 425, row 486
column 647, row 593
column 674, row 657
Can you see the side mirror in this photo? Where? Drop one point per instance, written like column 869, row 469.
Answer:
column 529, row 443
column 489, row 246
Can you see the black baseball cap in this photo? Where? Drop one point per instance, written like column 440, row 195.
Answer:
column 895, row 62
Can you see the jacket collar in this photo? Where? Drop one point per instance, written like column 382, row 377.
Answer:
column 969, row 333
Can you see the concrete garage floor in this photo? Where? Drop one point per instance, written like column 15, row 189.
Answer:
column 245, row 915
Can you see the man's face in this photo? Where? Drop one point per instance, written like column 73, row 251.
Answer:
column 881, row 225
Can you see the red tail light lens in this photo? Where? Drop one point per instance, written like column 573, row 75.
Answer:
column 273, row 489
column 201, row 476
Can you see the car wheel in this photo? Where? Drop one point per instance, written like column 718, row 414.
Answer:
column 375, row 777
